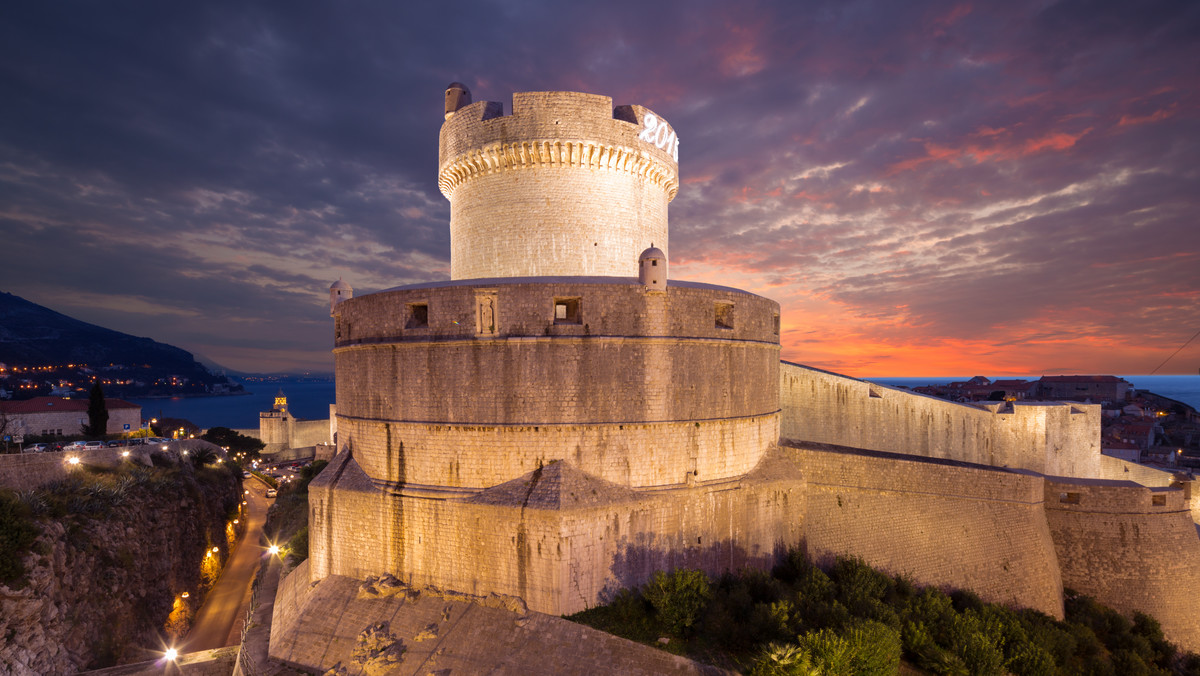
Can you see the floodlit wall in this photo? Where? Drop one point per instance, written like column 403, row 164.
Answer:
column 942, row 523
column 1131, row 547
column 1049, row 438
column 470, row 385
column 558, row 539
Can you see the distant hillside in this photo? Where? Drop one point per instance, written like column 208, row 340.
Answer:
column 35, row 336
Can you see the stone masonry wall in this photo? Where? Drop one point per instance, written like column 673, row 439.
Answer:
column 26, row 471
column 634, row 454
column 647, row 387
column 1049, row 438
column 1132, row 548
column 561, row 551
column 561, row 186
column 942, row 523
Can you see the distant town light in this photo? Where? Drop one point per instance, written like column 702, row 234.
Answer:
column 184, row 595
column 215, row 550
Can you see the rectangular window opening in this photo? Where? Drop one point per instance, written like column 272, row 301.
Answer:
column 1158, row 500
column 1069, row 498
column 418, row 316
column 724, row 315
column 776, row 323
column 566, row 311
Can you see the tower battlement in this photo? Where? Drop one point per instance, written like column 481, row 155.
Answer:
column 565, row 185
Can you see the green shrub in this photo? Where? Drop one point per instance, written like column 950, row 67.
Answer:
column 17, row 533
column 874, row 649
column 678, row 598
column 298, row 545
column 778, row 659
column 831, row 652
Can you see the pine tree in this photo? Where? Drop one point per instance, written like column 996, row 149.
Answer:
column 97, row 413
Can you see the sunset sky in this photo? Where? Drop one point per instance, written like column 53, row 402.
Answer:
column 927, row 189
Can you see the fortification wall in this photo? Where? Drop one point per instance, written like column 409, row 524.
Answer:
column 309, row 433
column 25, row 471
column 1048, row 438
column 649, row 388
column 565, row 185
column 560, row 540
column 631, row 454
column 1132, row 548
column 944, row 524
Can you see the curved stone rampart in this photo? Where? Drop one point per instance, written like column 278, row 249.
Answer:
column 469, row 385
column 1130, row 547
column 631, row 454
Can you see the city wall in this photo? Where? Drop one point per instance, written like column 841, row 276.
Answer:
column 26, row 471
column 1131, row 547
column 942, row 523
column 1049, row 438
column 557, row 538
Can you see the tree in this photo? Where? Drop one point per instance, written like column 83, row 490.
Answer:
column 234, row 441
column 97, row 413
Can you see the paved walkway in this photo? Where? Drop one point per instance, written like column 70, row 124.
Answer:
column 219, row 621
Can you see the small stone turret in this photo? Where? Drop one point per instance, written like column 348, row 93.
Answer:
column 652, row 269
column 457, row 96
column 338, row 292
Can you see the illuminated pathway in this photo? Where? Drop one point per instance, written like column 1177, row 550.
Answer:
column 218, row 623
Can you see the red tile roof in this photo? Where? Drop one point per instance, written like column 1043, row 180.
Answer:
column 50, row 404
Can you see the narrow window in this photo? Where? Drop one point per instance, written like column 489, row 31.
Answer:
column 1069, row 498
column 1158, row 500
column 418, row 316
column 566, row 311
column 777, row 325
column 724, row 315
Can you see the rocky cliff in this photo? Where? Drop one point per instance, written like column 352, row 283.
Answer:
column 104, row 581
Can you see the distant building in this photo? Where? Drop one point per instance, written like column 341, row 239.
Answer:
column 62, row 417
column 1097, row 389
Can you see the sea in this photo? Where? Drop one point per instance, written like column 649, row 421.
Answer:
column 305, row 400
column 1180, row 388
column 311, row 400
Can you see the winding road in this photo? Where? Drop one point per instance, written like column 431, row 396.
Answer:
column 219, row 621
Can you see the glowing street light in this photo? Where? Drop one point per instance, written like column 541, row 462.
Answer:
column 171, row 654
column 273, row 550
column 72, row 461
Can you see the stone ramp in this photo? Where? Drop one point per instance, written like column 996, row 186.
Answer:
column 347, row 627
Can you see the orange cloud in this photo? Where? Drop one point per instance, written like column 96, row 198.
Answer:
column 1156, row 116
column 977, row 153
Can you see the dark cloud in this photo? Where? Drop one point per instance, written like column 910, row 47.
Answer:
column 911, row 173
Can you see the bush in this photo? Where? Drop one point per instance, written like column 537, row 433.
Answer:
column 783, row 660
column 298, row 546
column 678, row 599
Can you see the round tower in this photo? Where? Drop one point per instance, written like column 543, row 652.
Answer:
column 565, row 185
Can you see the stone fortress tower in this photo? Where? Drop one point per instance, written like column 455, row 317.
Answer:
column 559, row 420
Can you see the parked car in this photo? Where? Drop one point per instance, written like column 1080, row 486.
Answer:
column 74, row 445
column 37, row 448
column 93, row 444
column 271, row 492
